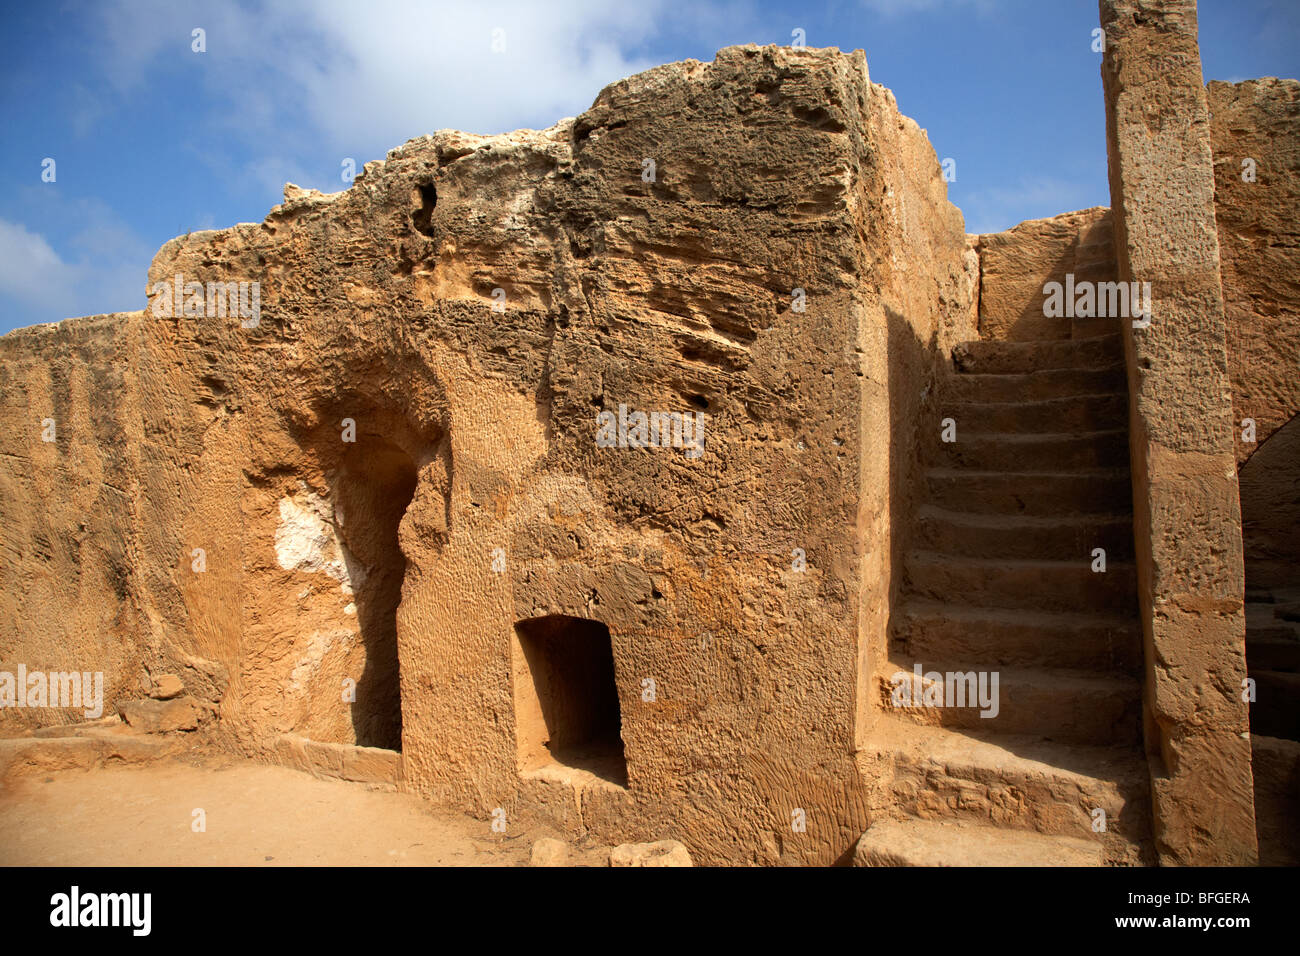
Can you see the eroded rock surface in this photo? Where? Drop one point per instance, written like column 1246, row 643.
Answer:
column 1255, row 129
column 326, row 500
column 580, row 473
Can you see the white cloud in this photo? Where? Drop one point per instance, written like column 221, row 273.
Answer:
column 30, row 270
column 309, row 83
column 406, row 68
column 106, row 275
column 292, row 88
column 898, row 8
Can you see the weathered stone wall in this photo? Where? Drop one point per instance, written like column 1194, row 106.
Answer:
column 914, row 305
column 1270, row 511
column 1276, row 765
column 332, row 518
column 1255, row 132
column 743, row 589
column 1187, row 521
column 1016, row 264
column 67, row 508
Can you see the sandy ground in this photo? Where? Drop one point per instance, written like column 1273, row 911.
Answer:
column 256, row 815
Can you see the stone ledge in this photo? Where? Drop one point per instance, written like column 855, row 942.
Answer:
column 370, row 765
column 21, row 756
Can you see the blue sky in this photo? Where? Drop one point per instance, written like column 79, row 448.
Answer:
column 151, row 139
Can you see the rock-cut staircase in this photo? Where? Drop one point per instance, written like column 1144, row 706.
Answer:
column 1001, row 579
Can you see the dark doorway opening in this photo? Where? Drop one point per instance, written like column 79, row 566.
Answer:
column 1270, row 519
column 566, row 697
column 373, row 490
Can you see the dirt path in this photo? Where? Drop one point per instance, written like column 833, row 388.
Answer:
column 256, row 815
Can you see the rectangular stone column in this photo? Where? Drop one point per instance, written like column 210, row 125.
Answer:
column 1187, row 519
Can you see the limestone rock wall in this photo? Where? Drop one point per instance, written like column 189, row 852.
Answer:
column 344, row 475
column 1016, row 264
column 1255, row 132
column 1187, row 519
column 914, row 304
column 344, row 502
column 69, row 470
column 344, row 516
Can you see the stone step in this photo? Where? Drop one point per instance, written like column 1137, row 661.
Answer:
column 1037, row 385
column 928, row 630
column 1098, row 492
column 1018, row 782
column 1274, row 712
column 1272, row 641
column 1272, row 651
column 30, row 756
column 1042, row 451
column 952, row 843
column 1039, row 585
column 1042, row 537
column 1060, row 705
column 1091, row 328
column 1275, row 765
column 995, row 357
column 1083, row 413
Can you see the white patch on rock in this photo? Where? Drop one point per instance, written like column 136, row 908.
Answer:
column 319, row 643
column 308, row 540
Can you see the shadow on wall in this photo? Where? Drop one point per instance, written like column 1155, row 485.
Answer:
column 372, row 491
column 566, row 698
column 1270, row 511
column 913, row 430
column 1270, row 505
column 350, row 461
column 910, row 374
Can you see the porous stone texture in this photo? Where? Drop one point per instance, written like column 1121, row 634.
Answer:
column 331, row 515
column 161, row 716
column 1255, row 132
column 376, row 766
column 659, row 853
column 69, row 475
column 167, row 686
column 951, row 843
column 1017, row 263
column 29, row 756
column 549, row 851
column 1186, row 513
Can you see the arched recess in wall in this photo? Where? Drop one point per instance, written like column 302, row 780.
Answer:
column 372, row 479
column 372, row 490
column 322, row 650
column 1270, row 519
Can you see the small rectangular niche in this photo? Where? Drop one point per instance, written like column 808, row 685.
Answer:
column 567, row 717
